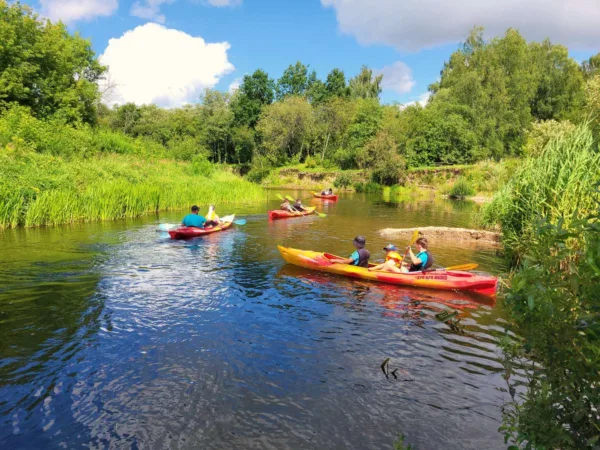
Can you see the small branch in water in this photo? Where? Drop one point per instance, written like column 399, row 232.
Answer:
column 384, row 365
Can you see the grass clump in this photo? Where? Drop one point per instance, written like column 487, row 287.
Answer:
column 559, row 183
column 461, row 189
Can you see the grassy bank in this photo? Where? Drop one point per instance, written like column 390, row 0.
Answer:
column 42, row 189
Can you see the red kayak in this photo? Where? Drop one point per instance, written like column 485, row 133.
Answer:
column 326, row 197
column 192, row 232
column 281, row 214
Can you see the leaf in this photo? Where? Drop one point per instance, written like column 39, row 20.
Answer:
column 530, row 302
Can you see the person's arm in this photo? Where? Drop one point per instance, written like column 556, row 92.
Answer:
column 413, row 257
column 343, row 261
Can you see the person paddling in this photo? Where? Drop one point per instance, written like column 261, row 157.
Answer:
column 422, row 260
column 298, row 206
column 360, row 257
column 393, row 260
column 212, row 220
column 194, row 219
column 285, row 206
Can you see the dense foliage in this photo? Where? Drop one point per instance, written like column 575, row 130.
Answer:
column 554, row 301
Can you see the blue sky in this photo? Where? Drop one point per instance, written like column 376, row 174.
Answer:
column 408, row 41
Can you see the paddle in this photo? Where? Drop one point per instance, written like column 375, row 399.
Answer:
column 280, row 197
column 240, row 222
column 314, row 211
column 470, row 266
column 413, row 239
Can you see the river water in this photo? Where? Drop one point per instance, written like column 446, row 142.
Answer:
column 113, row 336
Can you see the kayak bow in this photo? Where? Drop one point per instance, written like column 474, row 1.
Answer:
column 444, row 280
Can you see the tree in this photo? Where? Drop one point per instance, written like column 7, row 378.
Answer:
column 286, row 128
column 380, row 155
column 332, row 120
column 217, row 118
column 591, row 66
column 364, row 85
column 45, row 68
column 316, row 91
column 336, row 84
column 256, row 91
column 294, row 81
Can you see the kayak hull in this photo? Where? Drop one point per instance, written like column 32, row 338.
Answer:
column 326, row 197
column 192, row 232
column 439, row 279
column 281, row 214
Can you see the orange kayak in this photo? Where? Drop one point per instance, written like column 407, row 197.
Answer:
column 326, row 197
column 437, row 279
column 281, row 214
column 191, row 232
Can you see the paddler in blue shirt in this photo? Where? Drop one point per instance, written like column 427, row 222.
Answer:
column 194, row 219
column 420, row 261
column 361, row 255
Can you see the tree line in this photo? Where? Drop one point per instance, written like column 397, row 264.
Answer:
column 489, row 95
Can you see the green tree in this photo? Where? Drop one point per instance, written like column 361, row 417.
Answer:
column 332, row 120
column 336, row 84
column 364, row 85
column 380, row 156
column 218, row 119
column 316, row 91
column 591, row 66
column 294, row 81
column 255, row 92
column 45, row 68
column 286, row 128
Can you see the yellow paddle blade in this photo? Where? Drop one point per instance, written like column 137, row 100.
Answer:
column 279, row 197
column 290, row 198
column 414, row 238
column 463, row 267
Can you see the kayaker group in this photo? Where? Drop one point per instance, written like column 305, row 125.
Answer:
column 394, row 262
column 296, row 207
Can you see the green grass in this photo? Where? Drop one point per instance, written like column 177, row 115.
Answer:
column 41, row 189
column 559, row 184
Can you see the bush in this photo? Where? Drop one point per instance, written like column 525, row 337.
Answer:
column 560, row 183
column 185, row 149
column 368, row 188
column 461, row 189
column 257, row 174
column 554, row 301
column 542, row 132
column 310, row 162
column 343, row 180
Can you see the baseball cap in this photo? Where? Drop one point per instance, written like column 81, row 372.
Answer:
column 195, row 208
column 390, row 247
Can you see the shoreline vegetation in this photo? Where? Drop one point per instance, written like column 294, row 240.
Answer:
column 510, row 119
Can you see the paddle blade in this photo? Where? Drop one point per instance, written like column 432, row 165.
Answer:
column 166, row 226
column 240, row 222
column 279, row 196
column 290, row 198
column 471, row 266
column 414, row 237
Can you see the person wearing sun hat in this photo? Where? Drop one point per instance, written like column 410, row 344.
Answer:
column 393, row 260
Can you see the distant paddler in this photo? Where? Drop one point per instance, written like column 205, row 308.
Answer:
column 194, row 219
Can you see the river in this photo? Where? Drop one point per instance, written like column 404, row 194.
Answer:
column 113, row 336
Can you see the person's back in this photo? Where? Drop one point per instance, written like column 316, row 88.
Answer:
column 193, row 219
column 361, row 257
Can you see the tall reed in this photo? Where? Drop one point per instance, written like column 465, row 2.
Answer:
column 561, row 182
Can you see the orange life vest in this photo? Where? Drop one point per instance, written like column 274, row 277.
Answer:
column 394, row 256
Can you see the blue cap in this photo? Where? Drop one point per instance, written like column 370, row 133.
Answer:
column 390, row 247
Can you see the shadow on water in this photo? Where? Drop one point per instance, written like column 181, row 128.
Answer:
column 112, row 336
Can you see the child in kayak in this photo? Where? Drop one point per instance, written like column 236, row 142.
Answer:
column 422, row 260
column 212, row 220
column 361, row 255
column 194, row 219
column 393, row 260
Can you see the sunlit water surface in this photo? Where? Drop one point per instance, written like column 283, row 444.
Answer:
column 113, row 336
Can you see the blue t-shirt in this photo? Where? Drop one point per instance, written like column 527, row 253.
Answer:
column 193, row 220
column 355, row 257
column 423, row 257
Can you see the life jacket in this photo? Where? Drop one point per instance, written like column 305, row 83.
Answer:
column 419, row 267
column 212, row 216
column 394, row 256
column 363, row 257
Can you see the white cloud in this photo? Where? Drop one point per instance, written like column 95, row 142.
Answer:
column 149, row 9
column 235, row 85
column 423, row 99
column 416, row 24
column 70, row 11
column 222, row 3
column 397, row 78
column 155, row 64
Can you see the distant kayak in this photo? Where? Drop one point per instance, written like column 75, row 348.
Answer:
column 437, row 279
column 281, row 214
column 326, row 197
column 192, row 232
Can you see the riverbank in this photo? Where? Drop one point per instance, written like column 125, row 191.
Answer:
column 477, row 182
column 441, row 235
column 41, row 189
